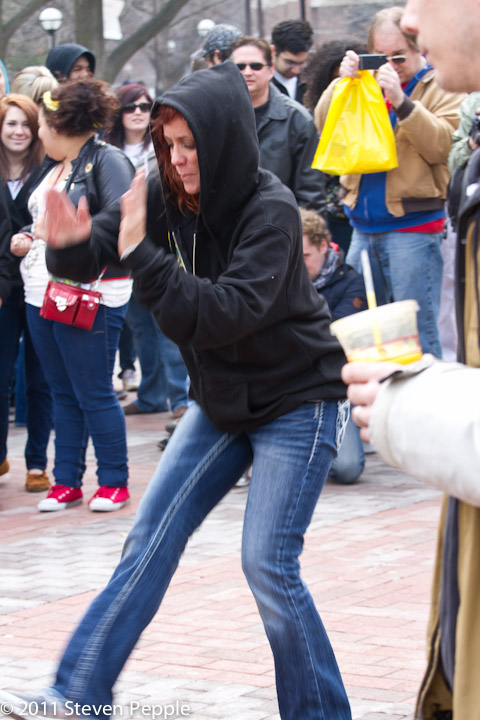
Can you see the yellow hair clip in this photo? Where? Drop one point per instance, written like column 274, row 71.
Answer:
column 50, row 104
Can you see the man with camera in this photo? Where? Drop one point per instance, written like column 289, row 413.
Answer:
column 398, row 216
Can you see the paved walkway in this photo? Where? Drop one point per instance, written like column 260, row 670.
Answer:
column 367, row 560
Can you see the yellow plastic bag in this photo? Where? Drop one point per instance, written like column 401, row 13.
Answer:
column 357, row 136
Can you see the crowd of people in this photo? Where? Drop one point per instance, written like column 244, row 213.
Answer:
column 240, row 255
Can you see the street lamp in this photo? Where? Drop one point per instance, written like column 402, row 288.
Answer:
column 204, row 27
column 51, row 20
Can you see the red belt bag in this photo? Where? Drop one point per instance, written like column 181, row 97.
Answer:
column 70, row 304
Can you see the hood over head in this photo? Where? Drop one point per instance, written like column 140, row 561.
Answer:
column 217, row 107
column 62, row 58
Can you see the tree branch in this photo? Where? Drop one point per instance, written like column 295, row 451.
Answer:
column 13, row 24
column 123, row 52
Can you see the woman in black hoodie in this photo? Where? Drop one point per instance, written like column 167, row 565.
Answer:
column 220, row 263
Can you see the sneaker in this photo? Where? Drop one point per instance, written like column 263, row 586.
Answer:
column 60, row 497
column 107, row 499
column 129, row 380
column 244, row 481
column 45, row 703
column 37, row 481
column 4, row 467
column 121, row 394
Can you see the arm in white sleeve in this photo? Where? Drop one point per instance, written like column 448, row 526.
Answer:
column 428, row 425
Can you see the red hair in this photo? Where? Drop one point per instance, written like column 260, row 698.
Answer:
column 164, row 115
column 35, row 152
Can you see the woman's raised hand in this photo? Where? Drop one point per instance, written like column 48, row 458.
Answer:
column 62, row 224
column 133, row 226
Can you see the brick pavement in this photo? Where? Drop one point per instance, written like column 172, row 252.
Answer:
column 367, row 559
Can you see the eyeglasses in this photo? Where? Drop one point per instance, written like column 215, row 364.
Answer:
column 293, row 63
column 256, row 66
column 130, row 108
column 397, row 59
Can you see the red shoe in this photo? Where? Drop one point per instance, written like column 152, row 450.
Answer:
column 60, row 497
column 108, row 498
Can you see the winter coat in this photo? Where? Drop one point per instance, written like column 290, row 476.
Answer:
column 344, row 292
column 429, row 426
column 288, row 139
column 299, row 92
column 252, row 330
column 14, row 215
column 423, row 138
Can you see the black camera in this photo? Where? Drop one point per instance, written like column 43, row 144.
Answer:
column 371, row 62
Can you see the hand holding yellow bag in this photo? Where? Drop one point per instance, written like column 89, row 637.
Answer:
column 357, row 136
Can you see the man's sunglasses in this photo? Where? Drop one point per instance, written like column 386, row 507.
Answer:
column 130, row 108
column 256, row 66
column 397, row 59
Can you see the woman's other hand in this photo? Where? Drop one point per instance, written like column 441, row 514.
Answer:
column 63, row 224
column 20, row 244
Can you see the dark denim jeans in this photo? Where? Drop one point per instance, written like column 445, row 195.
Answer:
column 78, row 365
column 291, row 457
column 164, row 376
column 126, row 350
column 39, row 418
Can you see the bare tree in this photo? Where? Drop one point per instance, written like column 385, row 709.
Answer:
column 89, row 32
column 15, row 21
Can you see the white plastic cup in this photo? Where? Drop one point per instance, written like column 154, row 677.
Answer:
column 385, row 333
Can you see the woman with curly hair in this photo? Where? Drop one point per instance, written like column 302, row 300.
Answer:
column 78, row 363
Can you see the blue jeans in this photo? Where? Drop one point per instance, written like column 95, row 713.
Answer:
column 164, row 374
column 405, row 266
column 126, row 350
column 350, row 461
column 291, row 457
column 39, row 402
column 78, row 365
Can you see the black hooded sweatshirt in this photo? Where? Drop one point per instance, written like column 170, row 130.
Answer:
column 253, row 332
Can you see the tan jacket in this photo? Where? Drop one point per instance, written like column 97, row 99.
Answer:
column 423, row 140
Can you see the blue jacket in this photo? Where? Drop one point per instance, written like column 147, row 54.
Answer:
column 344, row 292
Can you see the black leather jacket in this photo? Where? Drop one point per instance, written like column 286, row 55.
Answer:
column 288, row 138
column 102, row 173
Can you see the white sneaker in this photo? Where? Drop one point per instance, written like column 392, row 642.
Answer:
column 129, row 380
